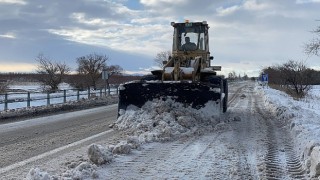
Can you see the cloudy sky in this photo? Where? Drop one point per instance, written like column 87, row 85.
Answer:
column 245, row 35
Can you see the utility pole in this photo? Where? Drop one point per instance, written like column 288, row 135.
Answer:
column 105, row 76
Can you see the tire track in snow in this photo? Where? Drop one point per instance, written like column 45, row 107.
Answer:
column 234, row 96
column 247, row 132
column 281, row 161
column 200, row 157
column 294, row 165
column 243, row 164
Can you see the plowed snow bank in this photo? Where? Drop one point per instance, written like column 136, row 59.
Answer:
column 302, row 118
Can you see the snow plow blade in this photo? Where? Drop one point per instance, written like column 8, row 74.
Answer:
column 195, row 94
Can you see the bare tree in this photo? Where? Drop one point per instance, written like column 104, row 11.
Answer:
column 297, row 77
column 112, row 70
column 313, row 47
column 294, row 76
column 78, row 81
column 162, row 56
column 91, row 66
column 3, row 86
column 52, row 72
column 245, row 77
column 232, row 75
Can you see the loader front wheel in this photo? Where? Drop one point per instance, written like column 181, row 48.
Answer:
column 225, row 100
column 222, row 83
column 216, row 80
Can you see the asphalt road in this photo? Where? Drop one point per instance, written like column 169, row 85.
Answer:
column 26, row 139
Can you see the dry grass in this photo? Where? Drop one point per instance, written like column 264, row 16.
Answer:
column 3, row 87
column 286, row 90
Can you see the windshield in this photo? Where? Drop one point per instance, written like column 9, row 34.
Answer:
column 190, row 37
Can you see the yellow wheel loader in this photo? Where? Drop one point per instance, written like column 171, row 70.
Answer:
column 187, row 76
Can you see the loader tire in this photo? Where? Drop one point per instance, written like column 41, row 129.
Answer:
column 218, row 80
column 213, row 79
column 225, row 100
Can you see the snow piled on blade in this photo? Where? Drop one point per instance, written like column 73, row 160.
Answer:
column 159, row 120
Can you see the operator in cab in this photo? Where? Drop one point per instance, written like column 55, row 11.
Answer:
column 189, row 46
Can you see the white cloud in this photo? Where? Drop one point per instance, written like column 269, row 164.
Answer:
column 227, row 11
column 134, row 34
column 8, row 35
column 249, row 5
column 149, row 20
column 81, row 18
column 307, row 1
column 21, row 2
column 254, row 6
column 120, row 9
column 123, row 37
column 156, row 3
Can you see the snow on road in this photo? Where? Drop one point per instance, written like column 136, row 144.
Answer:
column 264, row 134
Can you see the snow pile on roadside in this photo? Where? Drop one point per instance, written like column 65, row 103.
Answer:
column 99, row 155
column 85, row 170
column 167, row 120
column 302, row 118
column 122, row 148
column 37, row 174
column 279, row 103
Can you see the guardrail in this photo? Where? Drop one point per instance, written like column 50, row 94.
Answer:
column 15, row 100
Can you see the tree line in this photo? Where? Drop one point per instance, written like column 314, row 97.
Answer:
column 89, row 71
column 293, row 76
column 51, row 73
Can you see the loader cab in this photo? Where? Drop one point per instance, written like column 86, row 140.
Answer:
column 196, row 32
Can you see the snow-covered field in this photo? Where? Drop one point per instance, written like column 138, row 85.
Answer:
column 159, row 122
